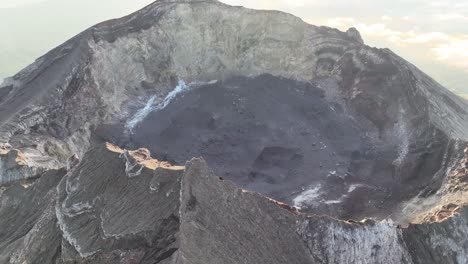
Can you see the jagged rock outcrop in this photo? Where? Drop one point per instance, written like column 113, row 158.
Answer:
column 131, row 207
column 99, row 213
column 29, row 231
column 309, row 116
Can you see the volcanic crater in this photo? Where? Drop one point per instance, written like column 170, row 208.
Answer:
column 308, row 116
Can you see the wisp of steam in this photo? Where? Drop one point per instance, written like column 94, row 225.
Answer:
column 150, row 106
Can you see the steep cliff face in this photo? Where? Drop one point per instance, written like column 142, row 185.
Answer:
column 119, row 206
column 309, row 116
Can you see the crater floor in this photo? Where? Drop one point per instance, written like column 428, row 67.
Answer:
column 279, row 137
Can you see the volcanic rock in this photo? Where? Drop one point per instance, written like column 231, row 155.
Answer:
column 307, row 129
column 100, row 214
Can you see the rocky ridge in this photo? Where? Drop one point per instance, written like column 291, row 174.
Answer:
column 165, row 214
column 66, row 197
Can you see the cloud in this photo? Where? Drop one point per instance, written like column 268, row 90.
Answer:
column 15, row 3
column 448, row 3
column 426, row 37
column 376, row 29
column 379, row 29
column 454, row 52
column 448, row 49
column 342, row 23
column 451, row 16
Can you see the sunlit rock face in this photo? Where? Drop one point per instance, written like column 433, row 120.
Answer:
column 308, row 116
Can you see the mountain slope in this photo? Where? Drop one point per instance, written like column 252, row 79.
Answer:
column 307, row 115
column 140, row 210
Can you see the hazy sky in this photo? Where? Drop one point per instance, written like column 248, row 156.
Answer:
column 431, row 34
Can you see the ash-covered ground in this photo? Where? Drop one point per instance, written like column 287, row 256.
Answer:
column 276, row 136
